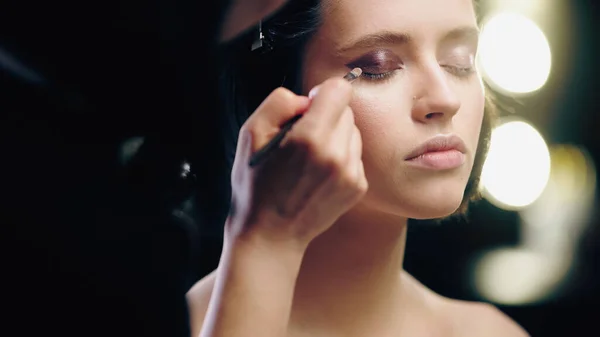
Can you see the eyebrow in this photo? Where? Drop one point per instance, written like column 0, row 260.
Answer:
column 396, row 38
column 462, row 33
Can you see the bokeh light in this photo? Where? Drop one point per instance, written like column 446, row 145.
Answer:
column 516, row 276
column 539, row 268
column 517, row 168
column 129, row 148
column 558, row 218
column 514, row 54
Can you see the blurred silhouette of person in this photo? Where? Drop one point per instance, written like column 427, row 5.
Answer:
column 99, row 244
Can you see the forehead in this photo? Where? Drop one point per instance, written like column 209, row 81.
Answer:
column 344, row 20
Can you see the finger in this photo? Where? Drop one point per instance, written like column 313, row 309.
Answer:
column 355, row 164
column 341, row 136
column 356, row 159
column 347, row 126
column 363, row 183
column 355, row 148
column 347, row 175
column 278, row 108
column 326, row 149
column 328, row 103
column 305, row 177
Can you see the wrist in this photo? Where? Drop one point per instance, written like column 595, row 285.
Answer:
column 263, row 246
column 261, row 262
column 263, row 235
column 254, row 286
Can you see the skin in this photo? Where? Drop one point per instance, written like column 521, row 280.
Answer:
column 312, row 276
column 392, row 122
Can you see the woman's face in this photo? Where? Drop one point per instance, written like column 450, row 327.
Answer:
column 419, row 83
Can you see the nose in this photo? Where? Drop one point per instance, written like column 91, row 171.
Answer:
column 434, row 99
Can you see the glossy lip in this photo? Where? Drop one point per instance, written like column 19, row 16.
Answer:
column 439, row 143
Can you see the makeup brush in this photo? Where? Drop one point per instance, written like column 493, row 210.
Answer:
column 260, row 155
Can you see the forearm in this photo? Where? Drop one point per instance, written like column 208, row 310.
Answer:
column 253, row 290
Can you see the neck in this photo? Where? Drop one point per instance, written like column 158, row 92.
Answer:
column 352, row 272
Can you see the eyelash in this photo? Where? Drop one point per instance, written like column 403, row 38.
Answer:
column 461, row 72
column 379, row 77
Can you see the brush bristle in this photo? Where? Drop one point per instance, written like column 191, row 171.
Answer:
column 356, row 72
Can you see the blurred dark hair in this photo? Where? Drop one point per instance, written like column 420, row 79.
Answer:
column 249, row 76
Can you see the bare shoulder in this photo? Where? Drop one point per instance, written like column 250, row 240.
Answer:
column 482, row 319
column 198, row 298
column 466, row 319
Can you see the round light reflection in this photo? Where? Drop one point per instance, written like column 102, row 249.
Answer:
column 516, row 276
column 517, row 167
column 514, row 54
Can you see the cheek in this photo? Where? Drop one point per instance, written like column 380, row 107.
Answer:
column 478, row 109
column 469, row 120
column 367, row 115
column 384, row 122
column 380, row 108
column 374, row 113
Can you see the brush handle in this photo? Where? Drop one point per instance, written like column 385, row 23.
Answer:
column 260, row 155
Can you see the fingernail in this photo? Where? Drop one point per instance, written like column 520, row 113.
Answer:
column 313, row 92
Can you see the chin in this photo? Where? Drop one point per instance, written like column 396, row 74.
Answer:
column 429, row 211
column 434, row 211
column 422, row 202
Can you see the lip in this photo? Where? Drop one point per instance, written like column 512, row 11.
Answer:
column 442, row 152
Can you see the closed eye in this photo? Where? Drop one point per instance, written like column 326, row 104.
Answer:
column 379, row 76
column 459, row 71
column 378, row 64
